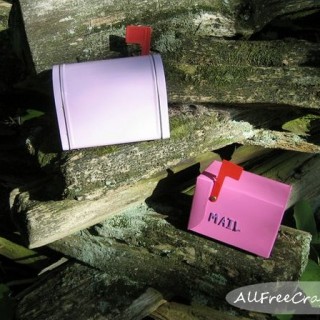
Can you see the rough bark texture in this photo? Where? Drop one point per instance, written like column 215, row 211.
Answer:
column 80, row 292
column 151, row 249
column 238, row 72
column 141, row 250
column 4, row 12
column 77, row 292
column 221, row 92
column 65, row 31
column 195, row 130
column 45, row 221
column 255, row 93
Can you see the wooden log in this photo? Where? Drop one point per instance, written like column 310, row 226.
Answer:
column 145, row 304
column 70, row 292
column 150, row 248
column 195, row 130
column 140, row 249
column 76, row 291
column 42, row 222
column 242, row 72
column 245, row 85
column 260, row 13
column 217, row 52
column 65, row 31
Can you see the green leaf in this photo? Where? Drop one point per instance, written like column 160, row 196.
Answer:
column 300, row 125
column 31, row 114
column 304, row 217
column 312, row 272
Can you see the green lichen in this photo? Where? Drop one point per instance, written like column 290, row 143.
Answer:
column 251, row 54
column 46, row 159
column 301, row 125
column 208, row 75
column 181, row 127
column 217, row 279
column 101, row 151
column 224, row 75
column 4, row 15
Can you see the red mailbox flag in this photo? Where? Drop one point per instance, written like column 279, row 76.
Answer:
column 228, row 169
column 139, row 35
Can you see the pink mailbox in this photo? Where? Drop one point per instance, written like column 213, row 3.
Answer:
column 238, row 207
column 111, row 101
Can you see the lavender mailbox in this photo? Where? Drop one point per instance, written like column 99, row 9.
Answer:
column 111, row 101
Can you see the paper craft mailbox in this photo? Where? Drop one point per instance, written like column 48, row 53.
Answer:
column 238, row 207
column 112, row 101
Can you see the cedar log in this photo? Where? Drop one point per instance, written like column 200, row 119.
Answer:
column 195, row 131
column 147, row 247
column 243, row 72
column 42, row 222
column 80, row 292
column 69, row 31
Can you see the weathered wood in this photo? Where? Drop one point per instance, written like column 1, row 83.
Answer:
column 141, row 307
column 243, row 72
column 259, row 13
column 195, row 130
column 245, row 85
column 4, row 13
column 149, row 248
column 140, row 249
column 77, row 292
column 80, row 292
column 64, row 31
column 42, row 222
column 275, row 53
column 238, row 72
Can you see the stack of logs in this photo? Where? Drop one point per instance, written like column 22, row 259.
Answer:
column 121, row 211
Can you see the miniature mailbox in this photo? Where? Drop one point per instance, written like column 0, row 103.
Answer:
column 238, row 207
column 112, row 101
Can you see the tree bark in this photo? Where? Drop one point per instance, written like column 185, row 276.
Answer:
column 4, row 13
column 150, row 249
column 42, row 222
column 69, row 31
column 79, row 292
column 243, row 72
column 194, row 129
column 141, row 249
